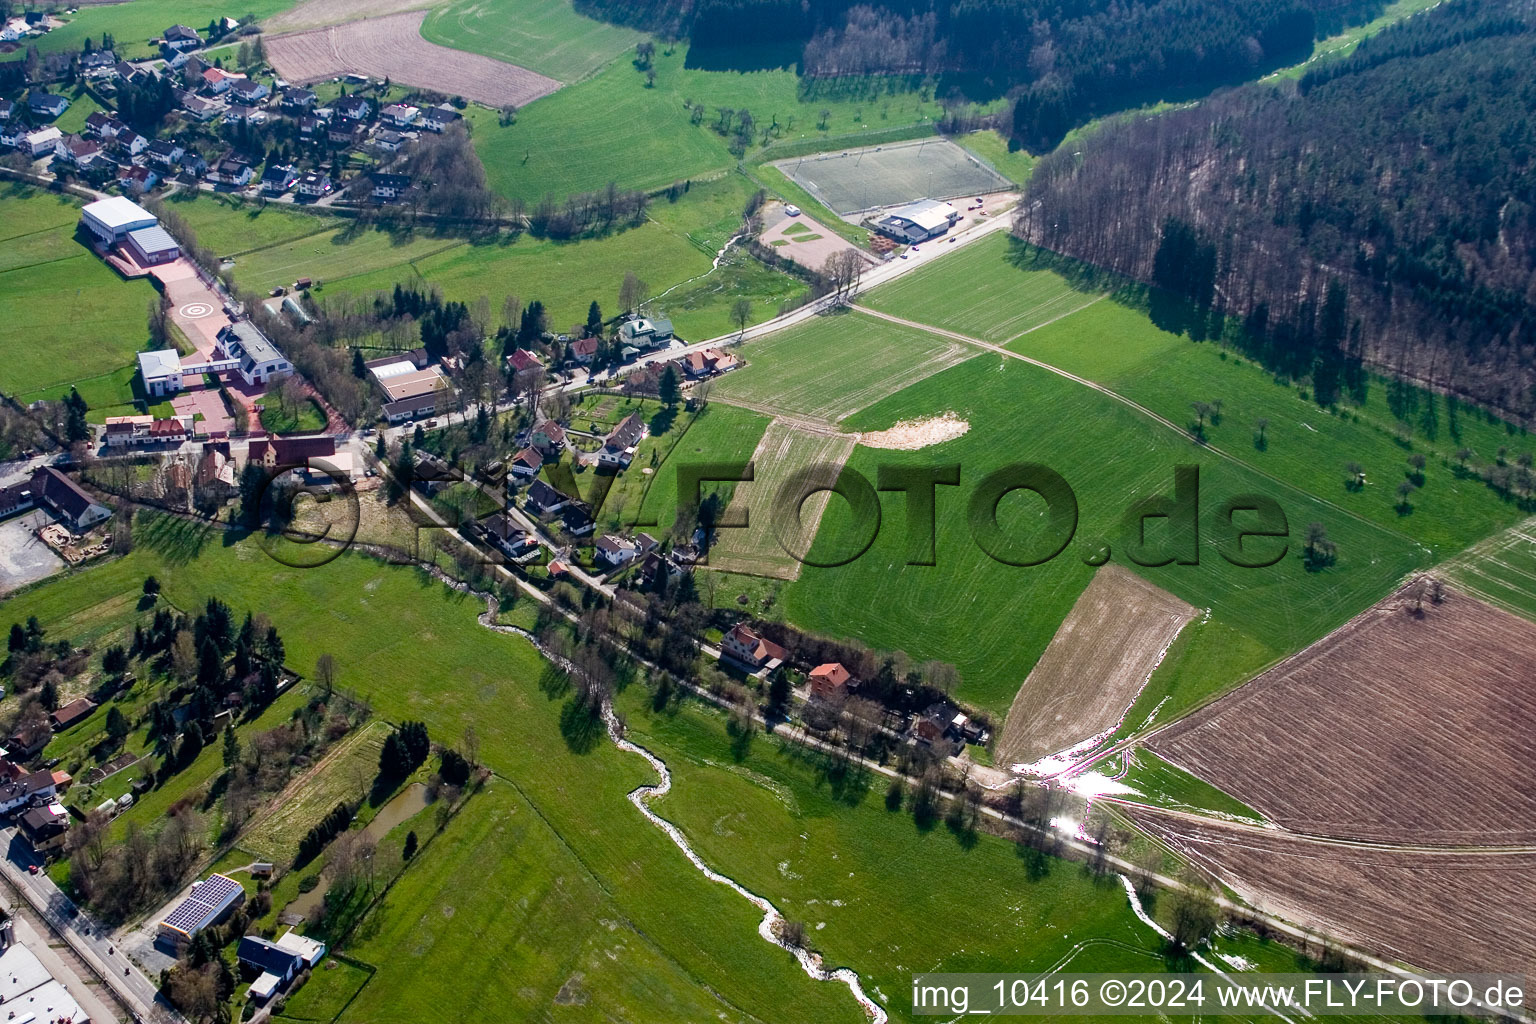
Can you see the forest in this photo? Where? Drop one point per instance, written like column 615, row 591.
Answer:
column 1380, row 211
column 1064, row 61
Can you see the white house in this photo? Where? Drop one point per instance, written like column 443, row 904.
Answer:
column 161, row 371
column 41, row 142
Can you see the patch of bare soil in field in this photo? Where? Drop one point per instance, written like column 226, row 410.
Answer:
column 1435, row 911
column 1096, row 664
column 912, row 435
column 315, row 13
column 1409, row 724
column 392, row 47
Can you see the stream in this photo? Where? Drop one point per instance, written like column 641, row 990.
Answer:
column 643, row 795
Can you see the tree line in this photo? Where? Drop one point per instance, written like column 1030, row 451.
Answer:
column 1379, row 212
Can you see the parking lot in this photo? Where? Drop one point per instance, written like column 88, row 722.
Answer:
column 23, row 558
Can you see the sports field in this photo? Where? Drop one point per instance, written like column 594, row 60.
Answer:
column 994, row 620
column 835, row 365
column 863, row 179
column 68, row 316
column 546, row 36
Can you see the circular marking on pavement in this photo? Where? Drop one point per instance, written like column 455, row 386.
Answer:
column 196, row 310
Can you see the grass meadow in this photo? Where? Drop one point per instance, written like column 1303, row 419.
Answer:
column 1501, row 570
column 134, row 24
column 567, row 142
column 344, row 775
column 993, row 620
column 834, row 365
column 68, row 316
column 992, row 146
column 555, row 829
column 546, row 36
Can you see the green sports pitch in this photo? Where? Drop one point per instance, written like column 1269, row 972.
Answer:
column 864, row 179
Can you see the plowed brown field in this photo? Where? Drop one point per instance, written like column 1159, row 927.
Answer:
column 392, row 47
column 1435, row 911
column 1096, row 664
column 1399, row 727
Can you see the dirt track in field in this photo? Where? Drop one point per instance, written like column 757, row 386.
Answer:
column 392, row 47
column 1096, row 664
column 1450, row 911
column 1399, row 727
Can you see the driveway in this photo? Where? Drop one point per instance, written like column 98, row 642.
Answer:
column 207, row 402
column 23, row 558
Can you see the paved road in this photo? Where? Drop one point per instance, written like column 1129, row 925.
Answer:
column 92, row 943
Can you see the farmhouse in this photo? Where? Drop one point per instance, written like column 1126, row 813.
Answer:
column 919, row 221
column 180, row 37
column 830, row 680
column 549, row 438
column 619, row 448
column 68, row 714
column 747, row 650
column 15, row 499
column 259, row 359
column 209, row 902
column 288, row 452
column 111, row 219
column 67, row 500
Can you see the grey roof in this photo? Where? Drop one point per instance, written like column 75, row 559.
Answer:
column 268, row 956
column 159, row 364
column 154, row 239
column 251, row 342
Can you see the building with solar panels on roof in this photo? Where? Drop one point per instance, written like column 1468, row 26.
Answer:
column 210, row 901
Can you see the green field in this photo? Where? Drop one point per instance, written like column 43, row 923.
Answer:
column 993, row 620
column 546, row 36
column 134, row 24
column 414, row 649
column 671, row 253
column 992, row 146
column 68, row 316
column 81, row 106
column 1501, row 570
column 569, row 141
column 232, row 228
column 978, row 292
column 1161, row 784
column 834, row 365
column 343, row 777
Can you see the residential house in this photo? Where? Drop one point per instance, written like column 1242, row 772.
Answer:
column 129, row 142
column 314, row 184
column 278, row 178
column 7, row 108
column 389, row 186
column 136, row 179
column 645, row 333
column 410, row 388
column 388, row 142
column 126, row 71
column 46, row 104
column 296, row 99
column 527, row 463
column 353, row 108
column 35, row 788
column 748, row 650
column 98, row 125
column 41, row 142
column 233, row 171
column 616, row 550
column 708, row 363
column 512, row 540
column 549, row 438
column 44, row 827
column 15, row 499
column 524, row 359
column 128, row 431
column 192, row 162
column 543, row 500
column 619, row 448
column 654, row 566
column 248, row 90
column 166, row 152
column 290, row 452
column 67, row 500
column 217, row 81
column 98, row 64
column 311, row 128
column 346, row 133
column 401, row 115
column 13, row 29
column 945, row 727
column 241, row 113
column 273, row 967
column 180, row 37
column 68, row 714
column 830, row 680
column 27, row 741
column 199, row 108
column 583, row 350
column 577, row 520
column 438, row 118
column 81, row 153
